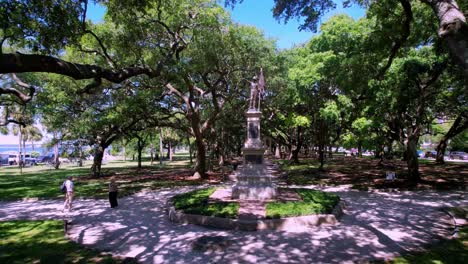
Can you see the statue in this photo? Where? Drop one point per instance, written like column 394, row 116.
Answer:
column 256, row 90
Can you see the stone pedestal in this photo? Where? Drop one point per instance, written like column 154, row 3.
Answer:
column 254, row 182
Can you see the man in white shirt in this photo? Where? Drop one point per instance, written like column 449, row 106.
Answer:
column 68, row 194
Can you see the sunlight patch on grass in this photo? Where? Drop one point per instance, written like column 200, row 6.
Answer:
column 43, row 182
column 43, row 242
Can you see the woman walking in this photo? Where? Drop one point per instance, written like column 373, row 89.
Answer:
column 113, row 193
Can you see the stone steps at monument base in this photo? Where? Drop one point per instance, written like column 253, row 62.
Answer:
column 255, row 182
column 250, row 192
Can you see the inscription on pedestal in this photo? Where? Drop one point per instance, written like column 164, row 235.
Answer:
column 253, row 159
column 253, row 130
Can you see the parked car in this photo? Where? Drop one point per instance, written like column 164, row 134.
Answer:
column 44, row 159
column 431, row 154
column 458, row 155
column 4, row 159
column 30, row 161
column 12, row 159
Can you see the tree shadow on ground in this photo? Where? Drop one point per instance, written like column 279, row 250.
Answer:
column 365, row 173
column 375, row 226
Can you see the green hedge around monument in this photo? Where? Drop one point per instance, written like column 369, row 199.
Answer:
column 196, row 202
column 313, row 202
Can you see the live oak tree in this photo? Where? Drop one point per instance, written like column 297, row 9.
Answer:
column 212, row 72
column 452, row 29
column 35, row 33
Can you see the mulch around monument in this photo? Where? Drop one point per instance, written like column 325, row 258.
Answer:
column 365, row 173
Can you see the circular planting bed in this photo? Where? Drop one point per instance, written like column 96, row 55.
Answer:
column 310, row 208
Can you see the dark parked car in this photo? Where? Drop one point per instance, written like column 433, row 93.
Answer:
column 44, row 159
column 431, row 154
column 458, row 155
column 4, row 159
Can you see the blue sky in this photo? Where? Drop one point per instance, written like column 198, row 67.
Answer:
column 258, row 13
column 251, row 12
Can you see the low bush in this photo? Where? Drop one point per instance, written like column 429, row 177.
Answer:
column 196, row 202
column 313, row 202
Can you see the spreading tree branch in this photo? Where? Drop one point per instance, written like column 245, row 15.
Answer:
column 18, row 62
column 404, row 36
column 105, row 54
column 24, row 98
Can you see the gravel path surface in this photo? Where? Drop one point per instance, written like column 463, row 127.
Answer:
column 375, row 226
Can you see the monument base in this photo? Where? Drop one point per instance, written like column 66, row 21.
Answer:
column 254, row 182
column 258, row 193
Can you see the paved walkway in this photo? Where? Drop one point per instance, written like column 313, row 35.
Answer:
column 375, row 225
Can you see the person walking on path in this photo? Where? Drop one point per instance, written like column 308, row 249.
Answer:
column 69, row 186
column 113, row 193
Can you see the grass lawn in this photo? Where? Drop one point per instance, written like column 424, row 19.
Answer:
column 196, row 202
column 44, row 182
column 313, row 202
column 44, row 242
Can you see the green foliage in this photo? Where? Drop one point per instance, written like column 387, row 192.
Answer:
column 330, row 111
column 196, row 202
column 41, row 26
column 43, row 242
column 460, row 142
column 313, row 202
column 295, row 120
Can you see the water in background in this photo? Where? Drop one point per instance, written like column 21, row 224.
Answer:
column 12, row 147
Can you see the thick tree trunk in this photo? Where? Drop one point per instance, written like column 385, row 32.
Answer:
column 169, row 151
column 140, row 150
column 56, row 156
column 220, row 148
column 190, row 150
column 97, row 162
column 379, row 154
column 458, row 126
column 289, row 147
column 152, row 153
column 453, row 29
column 359, row 149
column 200, row 163
column 321, row 156
column 20, row 163
column 160, row 147
column 441, row 147
column 294, row 158
column 80, row 154
column 412, row 159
